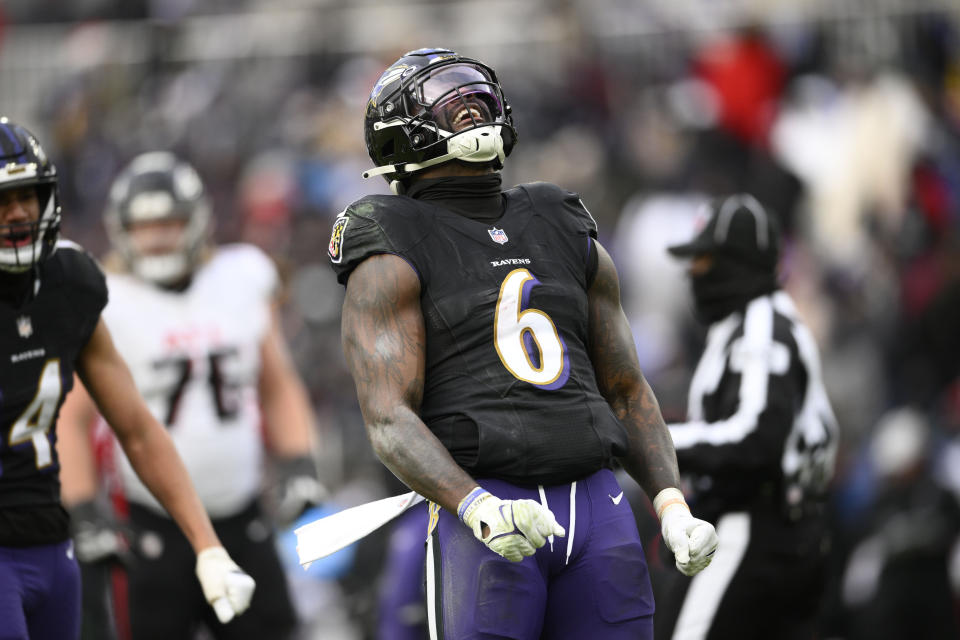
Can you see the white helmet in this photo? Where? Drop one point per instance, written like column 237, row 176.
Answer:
column 159, row 186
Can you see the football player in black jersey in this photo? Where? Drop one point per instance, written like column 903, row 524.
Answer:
column 51, row 296
column 497, row 374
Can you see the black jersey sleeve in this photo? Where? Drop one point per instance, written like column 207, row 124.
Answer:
column 573, row 204
column 85, row 284
column 369, row 226
column 593, row 264
column 581, row 217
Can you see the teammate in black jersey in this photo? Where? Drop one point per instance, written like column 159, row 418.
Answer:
column 759, row 444
column 497, row 374
column 51, row 295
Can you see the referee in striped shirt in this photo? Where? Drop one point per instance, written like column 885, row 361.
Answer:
column 759, row 443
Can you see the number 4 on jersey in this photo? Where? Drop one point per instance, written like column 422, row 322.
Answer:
column 526, row 339
column 35, row 421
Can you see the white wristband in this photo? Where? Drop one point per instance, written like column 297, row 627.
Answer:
column 668, row 498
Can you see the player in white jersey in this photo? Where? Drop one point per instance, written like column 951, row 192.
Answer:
column 199, row 329
column 195, row 356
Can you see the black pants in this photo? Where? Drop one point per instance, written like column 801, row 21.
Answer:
column 166, row 601
column 766, row 582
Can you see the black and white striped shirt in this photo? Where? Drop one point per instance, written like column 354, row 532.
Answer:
column 760, row 430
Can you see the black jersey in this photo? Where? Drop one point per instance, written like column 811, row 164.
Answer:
column 40, row 341
column 509, row 387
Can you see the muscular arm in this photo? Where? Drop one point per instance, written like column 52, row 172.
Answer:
column 144, row 440
column 384, row 343
column 650, row 458
column 283, row 398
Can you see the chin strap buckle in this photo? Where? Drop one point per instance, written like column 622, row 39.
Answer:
column 482, row 144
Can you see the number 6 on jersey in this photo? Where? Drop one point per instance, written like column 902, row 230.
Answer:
column 526, row 339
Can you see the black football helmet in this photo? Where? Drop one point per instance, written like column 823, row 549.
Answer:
column 159, row 186
column 432, row 106
column 24, row 164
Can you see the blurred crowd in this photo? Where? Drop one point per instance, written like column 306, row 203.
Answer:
column 846, row 125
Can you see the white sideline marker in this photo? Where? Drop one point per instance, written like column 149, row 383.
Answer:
column 320, row 538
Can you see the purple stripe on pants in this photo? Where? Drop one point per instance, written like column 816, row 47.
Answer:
column 39, row 593
column 602, row 592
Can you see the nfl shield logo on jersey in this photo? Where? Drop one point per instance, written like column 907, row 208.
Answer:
column 24, row 326
column 498, row 235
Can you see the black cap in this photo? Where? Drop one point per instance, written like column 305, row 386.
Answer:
column 739, row 227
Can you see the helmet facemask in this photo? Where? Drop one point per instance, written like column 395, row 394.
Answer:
column 24, row 244
column 455, row 98
column 173, row 257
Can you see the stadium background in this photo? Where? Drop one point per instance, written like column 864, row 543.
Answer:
column 843, row 116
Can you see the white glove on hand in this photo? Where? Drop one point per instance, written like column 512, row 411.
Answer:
column 516, row 528
column 691, row 540
column 225, row 586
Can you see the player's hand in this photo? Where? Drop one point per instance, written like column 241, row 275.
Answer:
column 96, row 534
column 299, row 489
column 225, row 586
column 692, row 541
column 511, row 528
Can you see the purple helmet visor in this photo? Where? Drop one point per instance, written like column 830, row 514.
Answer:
column 460, row 96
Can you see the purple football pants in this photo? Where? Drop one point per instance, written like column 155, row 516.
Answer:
column 591, row 584
column 402, row 611
column 39, row 593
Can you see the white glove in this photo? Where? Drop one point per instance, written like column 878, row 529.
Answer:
column 516, row 528
column 692, row 541
column 225, row 586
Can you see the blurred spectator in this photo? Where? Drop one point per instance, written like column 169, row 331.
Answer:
column 655, row 297
column 747, row 75
column 853, row 145
column 906, row 538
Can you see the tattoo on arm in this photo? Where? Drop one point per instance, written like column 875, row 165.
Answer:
column 384, row 343
column 651, row 458
column 382, row 340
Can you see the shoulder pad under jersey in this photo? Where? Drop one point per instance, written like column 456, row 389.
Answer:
column 251, row 265
column 372, row 225
column 565, row 207
column 79, row 273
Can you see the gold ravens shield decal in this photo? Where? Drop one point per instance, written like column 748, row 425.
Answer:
column 335, row 248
